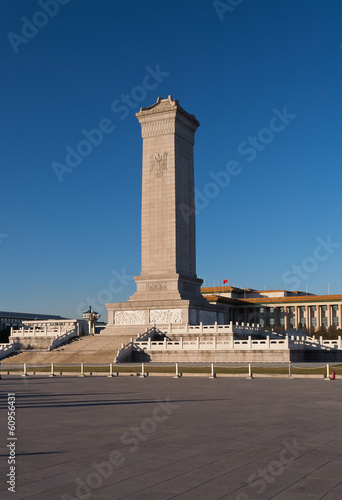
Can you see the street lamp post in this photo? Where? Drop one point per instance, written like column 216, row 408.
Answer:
column 92, row 317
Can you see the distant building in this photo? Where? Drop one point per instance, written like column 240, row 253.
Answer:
column 15, row 319
column 279, row 308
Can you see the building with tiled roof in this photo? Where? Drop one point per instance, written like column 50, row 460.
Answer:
column 281, row 308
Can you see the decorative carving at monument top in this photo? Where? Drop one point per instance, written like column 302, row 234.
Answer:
column 162, row 103
column 158, row 164
column 165, row 105
column 158, row 127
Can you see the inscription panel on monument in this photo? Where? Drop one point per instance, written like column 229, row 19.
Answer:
column 129, row 318
column 166, row 316
column 156, row 286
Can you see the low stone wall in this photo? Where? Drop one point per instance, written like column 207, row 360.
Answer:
column 22, row 343
column 319, row 356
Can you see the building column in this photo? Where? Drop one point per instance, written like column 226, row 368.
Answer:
column 329, row 311
column 273, row 316
column 319, row 316
column 340, row 315
column 297, row 315
column 286, row 318
column 308, row 317
column 255, row 316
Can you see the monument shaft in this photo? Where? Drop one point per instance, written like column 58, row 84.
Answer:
column 168, row 234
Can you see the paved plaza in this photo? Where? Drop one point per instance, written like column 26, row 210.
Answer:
column 161, row 438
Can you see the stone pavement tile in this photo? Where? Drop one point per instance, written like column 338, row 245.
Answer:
column 206, row 485
column 264, row 454
column 334, row 494
column 71, row 494
column 191, row 480
column 210, row 456
column 310, row 487
column 130, row 480
column 209, row 491
column 313, row 460
column 270, row 485
column 255, row 451
column 277, row 434
column 231, row 487
column 156, row 493
column 140, row 466
column 299, row 496
column 45, row 472
column 334, row 445
column 325, row 436
column 178, row 478
column 141, row 460
column 265, row 486
column 330, row 470
column 38, row 487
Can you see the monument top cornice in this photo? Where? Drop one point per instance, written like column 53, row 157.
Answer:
column 165, row 105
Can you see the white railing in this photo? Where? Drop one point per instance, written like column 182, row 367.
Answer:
column 293, row 343
column 50, row 322
column 51, row 328
column 39, row 332
column 300, row 342
column 149, row 333
column 213, row 329
column 63, row 338
column 213, row 344
column 142, row 339
column 124, row 351
column 6, row 349
column 58, row 332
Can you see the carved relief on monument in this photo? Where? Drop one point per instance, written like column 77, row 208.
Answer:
column 158, row 127
column 158, row 164
column 165, row 316
column 207, row 317
column 155, row 286
column 129, row 318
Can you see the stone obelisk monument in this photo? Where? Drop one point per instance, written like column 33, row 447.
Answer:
column 168, row 289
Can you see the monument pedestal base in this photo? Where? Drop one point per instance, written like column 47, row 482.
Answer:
column 135, row 317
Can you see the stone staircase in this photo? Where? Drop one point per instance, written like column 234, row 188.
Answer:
column 90, row 349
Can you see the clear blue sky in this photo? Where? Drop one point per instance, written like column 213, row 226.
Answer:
column 63, row 245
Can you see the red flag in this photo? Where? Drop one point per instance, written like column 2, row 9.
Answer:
column 225, row 281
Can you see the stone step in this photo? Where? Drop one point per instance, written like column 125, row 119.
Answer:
column 89, row 349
